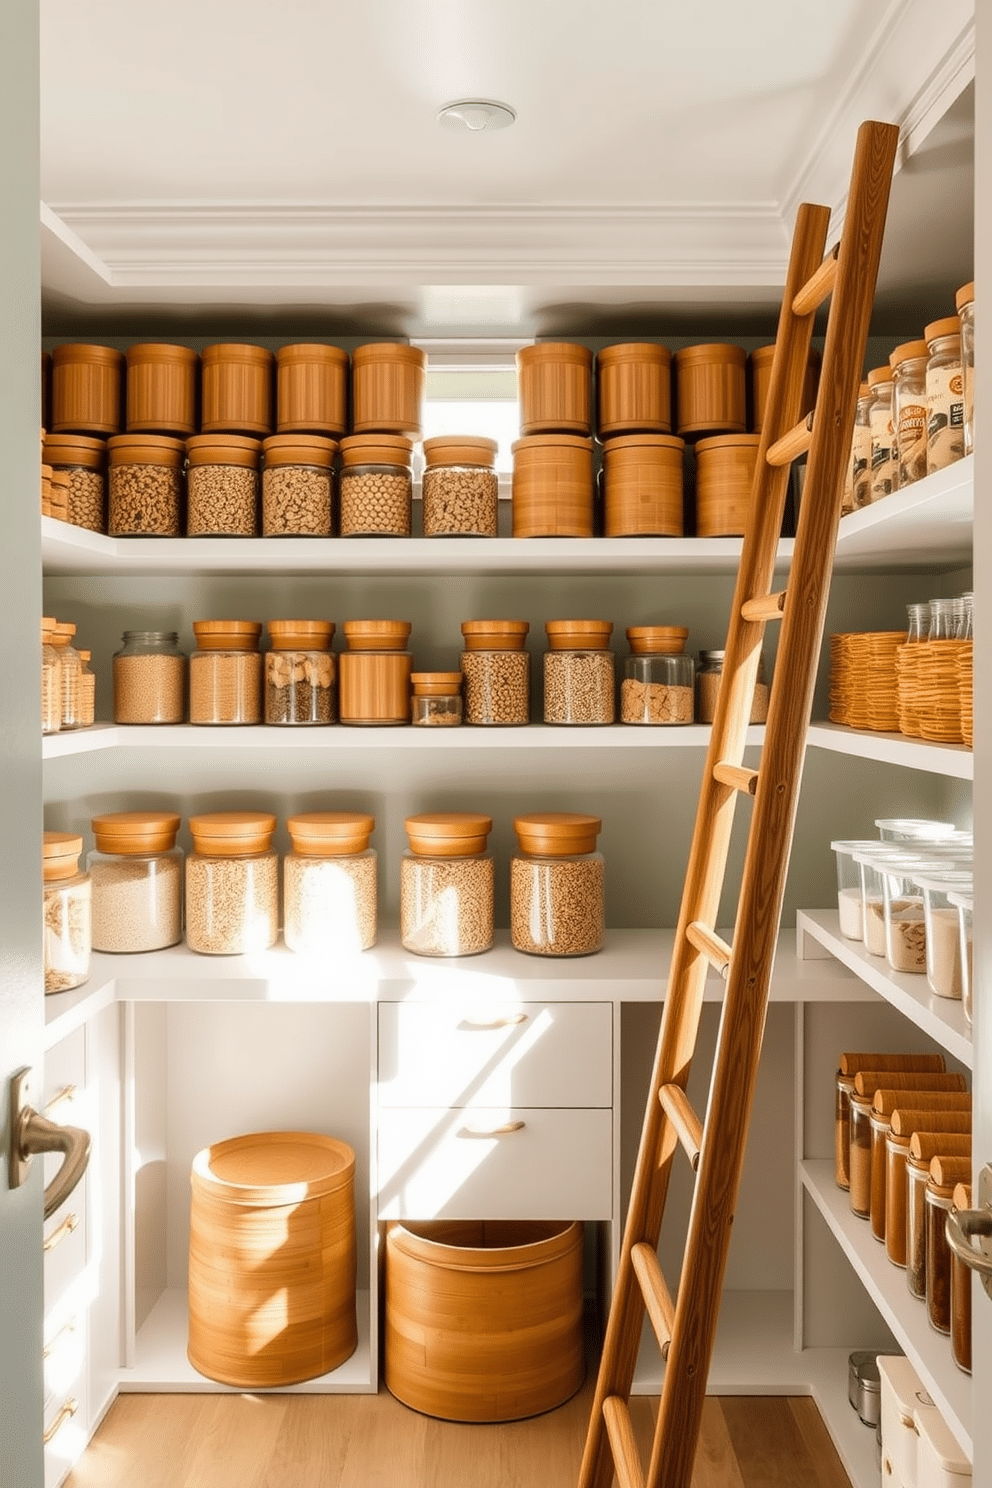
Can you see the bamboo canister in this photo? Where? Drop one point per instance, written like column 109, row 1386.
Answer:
column 87, row 390
column 387, row 385
column 374, row 673
column 554, row 380
column 724, row 476
column 312, row 389
column 161, row 389
column 710, row 390
column 633, row 389
column 759, row 365
column 272, row 1259
column 484, row 1318
column 642, row 486
column 552, row 491
column 237, row 389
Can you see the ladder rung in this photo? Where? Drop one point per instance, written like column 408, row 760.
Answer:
column 654, row 1290
column 688, row 1127
column 764, row 607
column 716, row 951
column 738, row 777
column 817, row 286
column 793, row 444
column 626, row 1461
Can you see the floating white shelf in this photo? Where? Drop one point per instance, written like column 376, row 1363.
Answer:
column 954, row 760
column 928, row 525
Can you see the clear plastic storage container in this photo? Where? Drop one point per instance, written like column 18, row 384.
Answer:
column 557, row 885
column 137, row 876
column 301, row 673
column 225, row 673
column 964, row 903
column 232, row 883
column 579, row 674
column 496, row 671
column 943, row 936
column 149, row 676
column 67, row 899
column 658, row 677
column 447, row 885
column 329, row 883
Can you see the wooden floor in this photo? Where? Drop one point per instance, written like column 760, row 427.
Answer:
column 362, row 1441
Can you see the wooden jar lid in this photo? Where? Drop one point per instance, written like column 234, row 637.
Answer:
column 376, row 635
column 63, row 632
column 657, row 640
column 551, row 441
column 913, row 1116
column 74, row 449
column 557, row 834
column 866, row 1082
column 85, row 352
column 879, row 374
column 711, row 351
column 962, row 1196
column 159, row 351
column 270, row 1169
column 224, row 449
column 301, row 635
column 946, row 1172
column 146, row 449
column 642, row 441
column 236, row 351
column 299, row 449
column 60, row 855
column 633, row 351
column 727, row 441
column 388, row 351
column 908, row 351
column 232, row 834
column 925, row 1145
column 376, row 449
column 436, row 684
column 555, row 351
column 851, row 1063
column 460, row 449
column 762, row 356
column 227, row 635
column 948, row 325
column 311, row 351
column 329, row 834
column 48, row 624
column 495, row 635
column 135, row 831
column 965, row 295
column 448, row 834
column 573, row 635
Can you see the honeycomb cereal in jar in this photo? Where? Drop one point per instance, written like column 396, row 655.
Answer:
column 447, row 885
column 297, row 485
column 222, row 485
column 557, row 885
column 232, row 883
column 329, row 883
column 376, row 486
column 225, row 673
column 66, row 905
column 300, row 673
column 460, row 487
column 146, row 489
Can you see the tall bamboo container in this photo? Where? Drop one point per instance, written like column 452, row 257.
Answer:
column 374, row 673
column 237, row 389
column 724, row 476
column 710, row 394
column 642, row 485
column 388, row 379
column 312, row 389
column 554, row 380
column 161, row 389
column 633, row 389
column 87, row 390
column 552, row 491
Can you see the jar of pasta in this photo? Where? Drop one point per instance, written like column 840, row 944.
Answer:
column 460, row 487
column 222, row 485
column 297, row 482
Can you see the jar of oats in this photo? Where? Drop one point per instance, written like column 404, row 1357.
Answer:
column 437, row 699
column 136, row 871
column 579, row 679
column 145, row 485
column 965, row 302
column 557, row 885
column 66, row 896
column 149, row 678
column 460, row 486
column 222, row 485
column 84, row 460
column 447, row 885
column 496, row 670
column 300, row 673
column 297, row 484
column 329, row 883
column 375, row 672
column 225, row 672
column 232, row 883
column 909, row 410
column 376, row 485
column 658, row 677
column 884, row 458
column 70, row 671
column 51, row 680
column 945, row 393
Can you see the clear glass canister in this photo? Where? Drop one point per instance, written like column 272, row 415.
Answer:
column 708, row 677
column 70, row 671
column 87, row 691
column 222, row 485
column 884, row 459
column 232, row 883
column 460, row 487
column 145, row 486
column 917, row 1174
column 51, row 680
column 849, row 907
column 939, row 1198
column 66, row 896
column 658, row 677
column 557, row 885
column 84, row 461
column 945, row 393
column 909, row 409
column 579, row 675
column 965, row 906
column 376, row 485
column 375, row 673
column 496, row 670
column 437, row 699
column 137, row 875
column 149, row 677
column 301, row 673
column 913, row 828
column 861, row 450
column 225, row 672
column 447, row 885
column 965, row 302
column 961, row 1293
column 329, row 883
column 860, row 1155
column 297, row 485
column 896, row 1196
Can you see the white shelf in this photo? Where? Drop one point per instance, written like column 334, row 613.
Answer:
column 929, row 1352
column 954, row 760
column 926, row 526
column 940, row 1017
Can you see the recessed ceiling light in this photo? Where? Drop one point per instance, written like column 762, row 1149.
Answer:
column 476, row 115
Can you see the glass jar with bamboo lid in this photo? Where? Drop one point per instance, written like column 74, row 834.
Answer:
column 146, row 486
column 70, row 671
column 329, row 883
column 232, row 883
column 301, row 673
column 965, row 302
column 557, row 885
column 460, row 486
column 149, row 678
column 222, row 482
column 657, row 686
column 447, row 885
column 945, row 393
column 67, row 900
column 495, row 666
column 297, row 485
column 884, row 453
column 137, row 875
column 84, row 460
column 437, row 699
column 579, row 675
column 51, row 679
column 909, row 410
column 225, row 673
column 376, row 485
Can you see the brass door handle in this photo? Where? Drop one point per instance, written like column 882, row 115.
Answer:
column 68, row 1225
column 69, row 1409
column 32, row 1135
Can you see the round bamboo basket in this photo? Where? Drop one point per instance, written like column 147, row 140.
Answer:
column 710, row 389
column 633, row 389
column 272, row 1259
column 759, row 365
column 237, row 389
column 87, row 390
column 552, row 492
column 484, row 1318
column 555, row 385
column 724, row 474
column 387, row 385
column 312, row 390
column 161, row 389
column 642, row 486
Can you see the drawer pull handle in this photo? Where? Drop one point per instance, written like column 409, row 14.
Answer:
column 68, row 1327
column 69, row 1409
column 67, row 1093
column 492, row 1131
column 508, row 1022
column 70, row 1223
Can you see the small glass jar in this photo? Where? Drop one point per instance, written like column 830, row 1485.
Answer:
column 945, row 393
column 297, row 485
column 896, row 1196
column 708, row 678
column 137, row 875
column 84, row 461
column 329, row 884
column 557, row 885
column 149, row 678
column 965, row 302
column 860, row 1161
column 145, row 485
column 938, row 1200
column 375, row 673
column 66, row 897
column 658, row 677
column 376, row 485
column 301, row 673
column 844, row 1089
column 51, row 680
column 437, row 699
column 87, row 691
column 879, row 1121
column 943, row 949
column 579, row 676
column 222, row 485
column 232, row 883
column 225, row 673
column 447, row 885
column 70, row 671
column 884, row 459
column 460, row 487
column 861, row 451
column 909, row 409
column 964, row 903
column 496, row 670
column 961, row 1292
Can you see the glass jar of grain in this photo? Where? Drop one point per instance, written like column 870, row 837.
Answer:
column 301, row 673
column 297, row 485
column 66, row 897
column 965, row 302
column 496, row 667
column 222, row 485
column 137, row 875
column 329, row 883
column 708, row 678
column 145, row 485
column 557, row 885
column 232, row 883
column 579, row 677
column 51, row 680
column 657, row 686
column 376, row 485
column 447, row 885
column 70, row 671
column 460, row 486
column 85, row 462
column 437, row 699
column 225, row 673
column 945, row 393
column 149, row 678
column 909, row 410
column 945, row 1174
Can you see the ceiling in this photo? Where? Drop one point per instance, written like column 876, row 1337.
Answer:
column 213, row 162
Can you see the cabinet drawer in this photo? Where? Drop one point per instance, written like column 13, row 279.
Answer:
column 65, row 1254
column 65, row 1421
column 444, row 1164
column 520, row 1054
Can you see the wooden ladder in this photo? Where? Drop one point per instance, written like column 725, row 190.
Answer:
column 715, row 1147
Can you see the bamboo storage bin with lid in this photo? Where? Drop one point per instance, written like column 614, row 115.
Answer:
column 387, row 384
column 146, row 486
column 225, row 672
column 552, row 494
column 312, row 389
column 329, row 883
column 460, row 486
column 297, row 485
column 447, row 884
column 633, row 389
column 642, row 486
column 222, row 485
column 300, row 673
column 710, row 390
column 67, row 900
column 557, row 885
column 137, row 873
column 724, row 477
column 760, row 373
column 374, row 686
column 85, row 461
column 272, row 1259
column 87, row 390
column 161, row 389
column 236, row 389
column 496, row 667
column 232, row 883
column 554, row 380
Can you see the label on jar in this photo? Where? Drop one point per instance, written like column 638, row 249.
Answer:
column 912, row 442
column 883, row 453
column 861, row 472
column 945, row 416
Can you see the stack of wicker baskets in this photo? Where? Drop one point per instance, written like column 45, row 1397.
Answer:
column 863, row 684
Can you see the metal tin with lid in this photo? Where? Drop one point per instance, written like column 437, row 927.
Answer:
column 67, row 902
column 232, row 883
column 301, row 673
column 225, row 673
column 137, row 874
column 495, row 666
column 557, row 885
column 329, row 883
column 447, row 884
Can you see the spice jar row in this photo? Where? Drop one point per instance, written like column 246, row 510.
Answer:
column 68, row 684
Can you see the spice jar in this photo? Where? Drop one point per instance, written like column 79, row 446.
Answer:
column 136, row 871
column 932, row 1124
column 657, row 686
column 66, row 896
column 232, row 883
column 149, row 678
column 861, row 451
column 375, row 672
column 879, row 1121
column 557, row 885
column 70, row 671
column 329, row 883
column 945, row 393
column 917, row 1174
column 437, row 699
column 447, row 885
column 945, row 1174
column 222, row 485
column 884, row 458
column 376, row 485
column 896, row 1196
column 85, row 462
column 579, row 681
column 496, row 669
column 851, row 1065
column 460, row 487
column 297, row 480
column 961, row 1291
column 87, row 691
column 145, row 486
column 708, row 679
column 225, row 673
column 965, row 302
column 909, row 410
column 51, row 680
column 300, row 673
